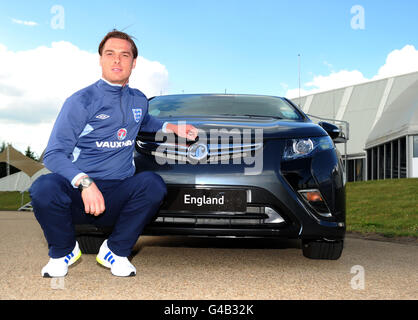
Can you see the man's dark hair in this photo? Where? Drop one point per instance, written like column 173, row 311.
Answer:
column 119, row 35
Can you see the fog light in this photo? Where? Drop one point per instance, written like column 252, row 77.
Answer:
column 314, row 198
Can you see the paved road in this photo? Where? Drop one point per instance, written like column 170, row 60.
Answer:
column 196, row 268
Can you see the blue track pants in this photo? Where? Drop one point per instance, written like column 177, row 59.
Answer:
column 130, row 205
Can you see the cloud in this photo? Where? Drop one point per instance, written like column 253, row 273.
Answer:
column 329, row 65
column 22, row 135
column 151, row 77
column 397, row 62
column 26, row 23
column 35, row 83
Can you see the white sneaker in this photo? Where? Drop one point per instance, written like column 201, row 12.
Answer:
column 119, row 266
column 58, row 267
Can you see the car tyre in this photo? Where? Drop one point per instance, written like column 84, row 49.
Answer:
column 325, row 250
column 90, row 244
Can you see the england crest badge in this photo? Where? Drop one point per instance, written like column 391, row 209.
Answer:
column 137, row 114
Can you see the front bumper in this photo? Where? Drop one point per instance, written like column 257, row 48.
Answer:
column 272, row 195
column 265, row 216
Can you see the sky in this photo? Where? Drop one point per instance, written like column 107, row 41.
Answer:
column 48, row 50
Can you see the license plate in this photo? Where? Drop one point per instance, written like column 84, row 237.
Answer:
column 206, row 200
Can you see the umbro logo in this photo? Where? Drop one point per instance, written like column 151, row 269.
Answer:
column 102, row 116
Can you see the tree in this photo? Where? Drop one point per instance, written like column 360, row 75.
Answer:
column 2, row 147
column 30, row 154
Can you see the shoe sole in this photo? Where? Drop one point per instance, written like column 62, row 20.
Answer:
column 132, row 274
column 46, row 275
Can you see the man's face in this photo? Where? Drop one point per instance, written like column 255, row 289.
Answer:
column 117, row 61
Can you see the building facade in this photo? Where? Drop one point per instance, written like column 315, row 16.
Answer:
column 383, row 125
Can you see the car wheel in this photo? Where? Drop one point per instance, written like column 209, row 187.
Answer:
column 326, row 250
column 90, row 244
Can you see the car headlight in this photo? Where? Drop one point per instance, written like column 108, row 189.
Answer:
column 299, row 148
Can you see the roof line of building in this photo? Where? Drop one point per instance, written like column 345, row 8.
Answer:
column 353, row 85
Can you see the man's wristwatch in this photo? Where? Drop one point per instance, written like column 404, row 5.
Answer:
column 85, row 183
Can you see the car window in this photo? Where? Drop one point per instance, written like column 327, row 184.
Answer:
column 232, row 105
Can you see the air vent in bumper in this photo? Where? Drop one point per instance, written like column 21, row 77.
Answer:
column 256, row 216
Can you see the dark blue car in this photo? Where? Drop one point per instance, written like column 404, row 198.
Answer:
column 260, row 168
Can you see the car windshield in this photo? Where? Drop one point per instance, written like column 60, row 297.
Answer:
column 222, row 105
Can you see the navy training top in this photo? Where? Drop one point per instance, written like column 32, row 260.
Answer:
column 95, row 132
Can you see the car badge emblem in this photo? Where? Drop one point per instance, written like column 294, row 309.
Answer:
column 137, row 114
column 197, row 151
column 122, row 134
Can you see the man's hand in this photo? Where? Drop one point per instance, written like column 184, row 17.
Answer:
column 183, row 130
column 93, row 199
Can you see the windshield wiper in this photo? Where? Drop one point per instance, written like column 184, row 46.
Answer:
column 262, row 116
column 248, row 115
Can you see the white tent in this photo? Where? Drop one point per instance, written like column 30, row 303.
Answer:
column 18, row 181
column 22, row 180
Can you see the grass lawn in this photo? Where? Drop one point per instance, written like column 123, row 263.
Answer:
column 11, row 201
column 386, row 207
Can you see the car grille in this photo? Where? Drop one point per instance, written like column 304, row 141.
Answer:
column 253, row 216
column 214, row 152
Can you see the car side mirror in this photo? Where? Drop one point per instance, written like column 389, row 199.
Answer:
column 332, row 130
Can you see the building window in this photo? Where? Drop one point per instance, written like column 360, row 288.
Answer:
column 395, row 165
column 381, row 158
column 355, row 170
column 359, row 169
column 350, row 171
column 374, row 164
column 388, row 158
column 415, row 146
column 403, row 157
column 388, row 161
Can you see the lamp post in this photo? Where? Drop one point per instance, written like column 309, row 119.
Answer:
column 299, row 77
